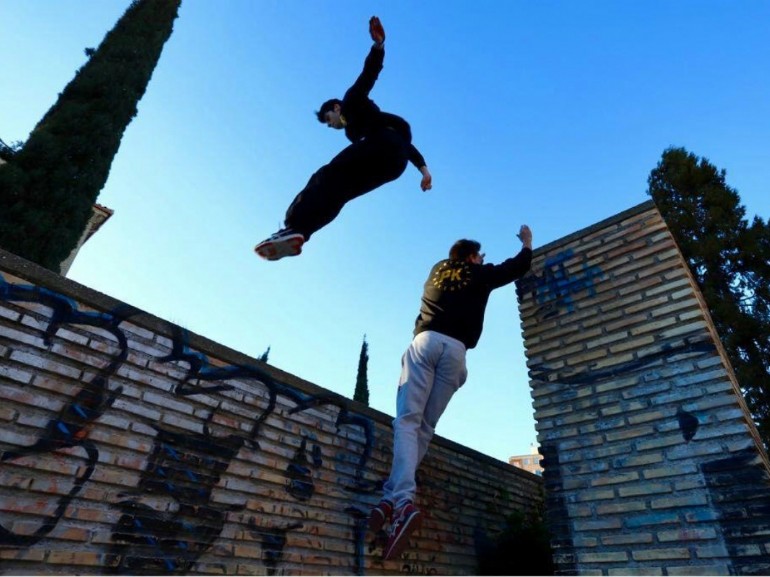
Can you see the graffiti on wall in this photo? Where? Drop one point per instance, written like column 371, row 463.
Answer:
column 182, row 471
column 168, row 520
column 69, row 429
column 554, row 288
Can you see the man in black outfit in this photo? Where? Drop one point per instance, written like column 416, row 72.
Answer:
column 380, row 150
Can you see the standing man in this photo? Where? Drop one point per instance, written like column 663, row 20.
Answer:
column 451, row 319
column 381, row 147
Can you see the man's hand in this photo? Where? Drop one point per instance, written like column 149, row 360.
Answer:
column 427, row 180
column 376, row 31
column 525, row 236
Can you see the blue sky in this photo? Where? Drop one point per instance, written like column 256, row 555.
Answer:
column 550, row 113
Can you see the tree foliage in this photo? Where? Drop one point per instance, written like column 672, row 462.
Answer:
column 49, row 185
column 362, row 380
column 8, row 151
column 730, row 260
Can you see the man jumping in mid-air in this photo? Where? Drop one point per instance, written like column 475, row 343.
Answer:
column 381, row 147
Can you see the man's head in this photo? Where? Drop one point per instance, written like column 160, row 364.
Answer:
column 467, row 251
column 329, row 114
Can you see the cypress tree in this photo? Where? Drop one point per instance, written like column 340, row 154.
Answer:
column 730, row 261
column 362, row 381
column 48, row 187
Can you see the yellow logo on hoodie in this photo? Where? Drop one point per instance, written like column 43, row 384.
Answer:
column 452, row 276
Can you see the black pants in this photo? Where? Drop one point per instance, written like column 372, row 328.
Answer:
column 358, row 169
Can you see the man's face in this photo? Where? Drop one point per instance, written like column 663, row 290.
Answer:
column 333, row 118
column 478, row 258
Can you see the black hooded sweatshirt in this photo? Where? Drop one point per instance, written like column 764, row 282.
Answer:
column 364, row 118
column 456, row 293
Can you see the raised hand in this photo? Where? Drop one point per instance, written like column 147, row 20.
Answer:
column 376, row 31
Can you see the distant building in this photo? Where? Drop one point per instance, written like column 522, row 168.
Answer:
column 529, row 462
column 98, row 218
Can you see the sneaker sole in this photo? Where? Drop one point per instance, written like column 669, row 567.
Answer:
column 398, row 546
column 376, row 520
column 277, row 249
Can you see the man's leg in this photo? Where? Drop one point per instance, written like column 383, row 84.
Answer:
column 450, row 375
column 415, row 384
column 417, row 377
column 358, row 169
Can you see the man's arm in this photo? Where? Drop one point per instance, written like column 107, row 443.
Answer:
column 513, row 268
column 419, row 161
column 373, row 63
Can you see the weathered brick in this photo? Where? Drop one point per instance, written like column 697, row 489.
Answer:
column 661, row 518
column 597, row 525
column 7, row 414
column 603, row 557
column 698, row 570
column 660, row 554
column 88, row 558
column 688, row 534
column 647, row 416
column 637, row 461
column 29, row 555
column 14, row 373
column 619, row 508
column 677, row 470
column 36, row 420
column 644, row 489
column 45, row 364
column 659, row 442
column 615, row 478
column 630, row 433
column 8, row 313
column 635, row 538
column 14, row 439
column 21, row 336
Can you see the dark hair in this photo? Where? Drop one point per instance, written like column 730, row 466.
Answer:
column 463, row 249
column 326, row 107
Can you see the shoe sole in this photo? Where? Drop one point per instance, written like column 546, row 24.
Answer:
column 398, row 546
column 277, row 249
column 376, row 520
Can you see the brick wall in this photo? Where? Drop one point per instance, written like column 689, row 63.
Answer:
column 652, row 464
column 128, row 445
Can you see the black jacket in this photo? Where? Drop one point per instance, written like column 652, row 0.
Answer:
column 456, row 293
column 364, row 118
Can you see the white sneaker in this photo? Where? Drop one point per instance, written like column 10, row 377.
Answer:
column 283, row 243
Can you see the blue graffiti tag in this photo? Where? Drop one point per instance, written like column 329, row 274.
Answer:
column 555, row 287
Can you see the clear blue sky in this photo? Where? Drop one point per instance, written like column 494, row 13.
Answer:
column 550, row 113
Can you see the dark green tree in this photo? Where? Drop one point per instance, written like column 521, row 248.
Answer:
column 730, row 260
column 48, row 187
column 8, row 151
column 362, row 381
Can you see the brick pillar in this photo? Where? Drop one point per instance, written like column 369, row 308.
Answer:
column 652, row 463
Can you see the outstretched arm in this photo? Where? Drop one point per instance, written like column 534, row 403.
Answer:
column 373, row 63
column 512, row 268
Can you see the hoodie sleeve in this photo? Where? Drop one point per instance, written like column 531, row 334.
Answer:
column 497, row 275
column 372, row 67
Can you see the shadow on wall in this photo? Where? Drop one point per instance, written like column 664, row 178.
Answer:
column 522, row 548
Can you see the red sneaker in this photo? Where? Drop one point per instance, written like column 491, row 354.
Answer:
column 408, row 520
column 380, row 515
